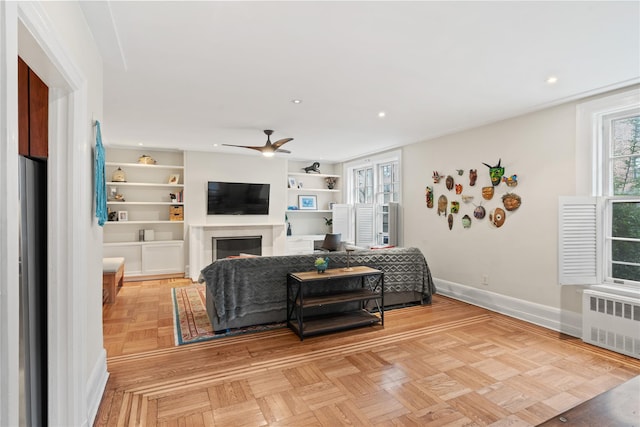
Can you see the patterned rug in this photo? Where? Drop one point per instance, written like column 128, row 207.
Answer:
column 191, row 322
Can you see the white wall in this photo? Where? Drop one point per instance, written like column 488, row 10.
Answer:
column 520, row 258
column 201, row 167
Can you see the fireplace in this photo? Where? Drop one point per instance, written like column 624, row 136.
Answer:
column 223, row 247
column 201, row 250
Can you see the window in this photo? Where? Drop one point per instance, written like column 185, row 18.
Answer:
column 374, row 182
column 388, row 192
column 363, row 185
column 621, row 176
column 599, row 237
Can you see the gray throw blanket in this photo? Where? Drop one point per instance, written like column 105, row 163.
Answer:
column 242, row 286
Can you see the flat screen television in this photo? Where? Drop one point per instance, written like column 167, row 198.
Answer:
column 237, row 198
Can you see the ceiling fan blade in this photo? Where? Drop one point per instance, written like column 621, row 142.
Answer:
column 281, row 150
column 279, row 143
column 260, row 148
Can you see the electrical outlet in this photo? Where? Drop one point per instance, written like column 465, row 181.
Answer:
column 485, row 279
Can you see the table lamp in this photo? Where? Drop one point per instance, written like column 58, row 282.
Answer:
column 349, row 250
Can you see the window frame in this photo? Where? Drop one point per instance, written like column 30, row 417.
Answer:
column 375, row 164
column 594, row 158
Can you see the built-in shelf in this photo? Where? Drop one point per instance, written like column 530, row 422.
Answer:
column 143, row 222
column 112, row 202
column 310, row 221
column 142, row 165
column 314, row 190
column 311, row 175
column 143, row 184
column 147, row 192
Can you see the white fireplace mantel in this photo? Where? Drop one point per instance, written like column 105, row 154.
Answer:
column 200, row 235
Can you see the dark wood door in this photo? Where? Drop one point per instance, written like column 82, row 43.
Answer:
column 23, row 108
column 33, row 113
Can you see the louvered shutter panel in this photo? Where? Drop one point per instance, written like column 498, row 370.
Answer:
column 578, row 238
column 365, row 227
column 342, row 215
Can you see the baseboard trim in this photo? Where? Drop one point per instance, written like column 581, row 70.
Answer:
column 96, row 386
column 567, row 322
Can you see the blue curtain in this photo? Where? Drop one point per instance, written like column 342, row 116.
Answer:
column 101, row 185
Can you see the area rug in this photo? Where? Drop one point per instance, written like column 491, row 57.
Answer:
column 191, row 322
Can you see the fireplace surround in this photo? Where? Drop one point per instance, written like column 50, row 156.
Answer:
column 200, row 237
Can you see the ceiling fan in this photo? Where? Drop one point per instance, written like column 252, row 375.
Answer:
column 269, row 149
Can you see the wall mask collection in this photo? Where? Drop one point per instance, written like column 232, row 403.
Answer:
column 451, row 208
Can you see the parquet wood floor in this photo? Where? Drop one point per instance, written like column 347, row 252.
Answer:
column 447, row 364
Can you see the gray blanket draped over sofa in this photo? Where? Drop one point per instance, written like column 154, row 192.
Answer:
column 250, row 291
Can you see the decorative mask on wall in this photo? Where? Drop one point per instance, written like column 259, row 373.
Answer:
column 479, row 212
column 458, row 188
column 436, row 177
column 442, row 205
column 455, row 206
column 495, row 173
column 449, row 182
column 460, row 171
column 511, row 201
column 450, row 221
column 429, row 197
column 497, row 217
column 487, row 193
column 466, row 221
column 473, row 175
column 511, row 181
column 466, row 199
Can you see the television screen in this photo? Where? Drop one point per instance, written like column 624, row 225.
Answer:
column 237, row 198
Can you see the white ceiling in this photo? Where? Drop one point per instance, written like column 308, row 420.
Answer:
column 190, row 75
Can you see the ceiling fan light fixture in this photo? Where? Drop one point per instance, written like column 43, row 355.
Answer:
column 269, row 148
column 297, row 101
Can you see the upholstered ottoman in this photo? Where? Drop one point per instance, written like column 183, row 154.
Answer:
column 112, row 278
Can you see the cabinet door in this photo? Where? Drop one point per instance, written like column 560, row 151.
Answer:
column 132, row 257
column 298, row 246
column 163, row 258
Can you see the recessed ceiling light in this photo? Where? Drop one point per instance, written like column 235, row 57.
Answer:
column 215, row 145
column 552, row 79
column 381, row 114
column 140, row 144
column 296, row 101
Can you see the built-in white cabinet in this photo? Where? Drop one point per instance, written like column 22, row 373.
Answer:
column 310, row 197
column 302, row 244
column 145, row 199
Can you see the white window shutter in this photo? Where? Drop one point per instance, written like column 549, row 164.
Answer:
column 343, row 221
column 365, row 227
column 579, row 248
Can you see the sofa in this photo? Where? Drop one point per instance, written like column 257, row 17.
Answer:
column 246, row 291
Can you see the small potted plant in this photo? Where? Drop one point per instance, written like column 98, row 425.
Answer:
column 331, row 182
column 321, row 264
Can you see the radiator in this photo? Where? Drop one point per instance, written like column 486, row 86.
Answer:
column 612, row 322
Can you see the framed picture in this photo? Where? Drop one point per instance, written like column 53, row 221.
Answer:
column 307, row 202
column 292, row 182
column 174, row 178
column 123, row 216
